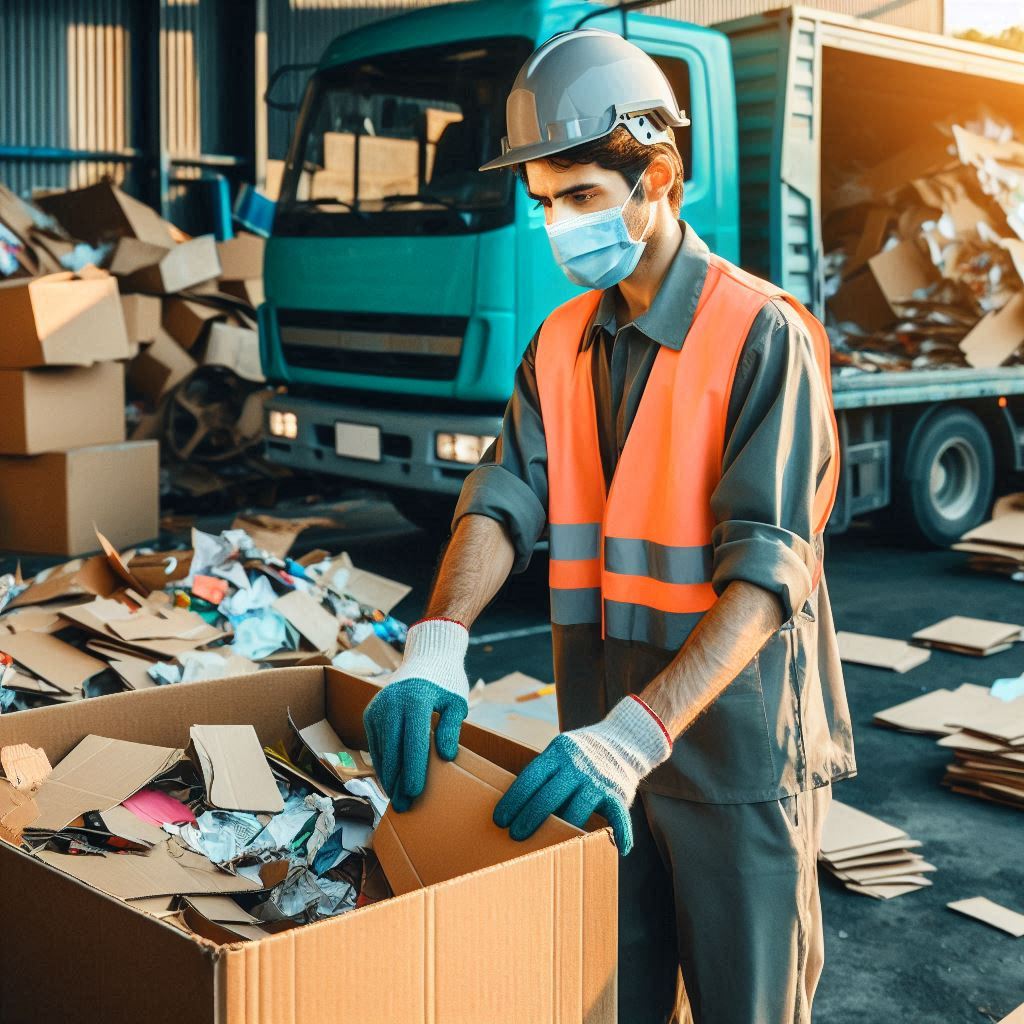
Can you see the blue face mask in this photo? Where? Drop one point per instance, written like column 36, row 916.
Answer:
column 594, row 249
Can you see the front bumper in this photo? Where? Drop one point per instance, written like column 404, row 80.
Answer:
column 408, row 459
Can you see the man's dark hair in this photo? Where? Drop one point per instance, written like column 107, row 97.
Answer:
column 619, row 151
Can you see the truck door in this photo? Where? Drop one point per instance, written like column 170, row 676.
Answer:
column 698, row 66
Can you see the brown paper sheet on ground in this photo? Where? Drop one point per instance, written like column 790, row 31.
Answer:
column 961, row 633
column 97, row 774
column 235, row 769
column 847, row 828
column 997, row 916
column 880, row 651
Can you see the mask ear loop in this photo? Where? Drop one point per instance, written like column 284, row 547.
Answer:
column 650, row 214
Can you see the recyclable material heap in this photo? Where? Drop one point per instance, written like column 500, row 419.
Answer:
column 230, row 604
column 924, row 264
column 226, row 839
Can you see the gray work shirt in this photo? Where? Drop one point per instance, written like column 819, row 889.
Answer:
column 783, row 725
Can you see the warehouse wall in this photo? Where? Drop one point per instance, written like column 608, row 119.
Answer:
column 82, row 94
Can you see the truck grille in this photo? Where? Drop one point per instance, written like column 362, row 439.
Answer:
column 385, row 344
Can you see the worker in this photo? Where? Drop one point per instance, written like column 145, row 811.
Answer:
column 671, row 429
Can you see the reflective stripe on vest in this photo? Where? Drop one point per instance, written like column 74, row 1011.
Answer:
column 639, row 559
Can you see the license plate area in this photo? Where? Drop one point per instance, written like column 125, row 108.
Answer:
column 357, row 441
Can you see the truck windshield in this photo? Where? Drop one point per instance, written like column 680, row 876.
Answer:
column 392, row 143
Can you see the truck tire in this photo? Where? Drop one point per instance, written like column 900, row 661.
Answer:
column 948, row 476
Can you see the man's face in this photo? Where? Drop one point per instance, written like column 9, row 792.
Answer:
column 583, row 188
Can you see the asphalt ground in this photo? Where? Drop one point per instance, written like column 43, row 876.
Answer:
column 909, row 959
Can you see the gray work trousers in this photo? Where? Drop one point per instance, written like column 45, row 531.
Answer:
column 728, row 894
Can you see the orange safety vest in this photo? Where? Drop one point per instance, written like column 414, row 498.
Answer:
column 639, row 558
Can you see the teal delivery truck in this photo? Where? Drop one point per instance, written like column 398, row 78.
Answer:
column 402, row 284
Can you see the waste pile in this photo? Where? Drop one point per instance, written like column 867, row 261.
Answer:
column 924, row 262
column 230, row 604
column 225, row 839
column 186, row 324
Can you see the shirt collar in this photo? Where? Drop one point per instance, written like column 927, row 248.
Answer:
column 670, row 315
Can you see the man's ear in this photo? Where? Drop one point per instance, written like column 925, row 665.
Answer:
column 658, row 177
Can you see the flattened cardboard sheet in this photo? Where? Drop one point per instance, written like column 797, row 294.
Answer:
column 982, row 909
column 235, row 769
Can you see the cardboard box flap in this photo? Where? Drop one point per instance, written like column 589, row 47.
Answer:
column 331, row 751
column 449, row 830
column 310, row 618
column 880, row 651
column 235, row 769
column 97, row 774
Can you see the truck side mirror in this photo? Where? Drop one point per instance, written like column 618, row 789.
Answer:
column 279, row 73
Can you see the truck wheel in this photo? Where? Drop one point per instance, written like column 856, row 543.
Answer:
column 948, row 476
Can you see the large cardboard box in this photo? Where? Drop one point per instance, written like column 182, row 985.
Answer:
column 491, row 932
column 58, row 407
column 148, row 268
column 61, row 320
column 102, row 211
column 49, row 503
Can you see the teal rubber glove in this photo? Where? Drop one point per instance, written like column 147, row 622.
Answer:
column 596, row 768
column 432, row 677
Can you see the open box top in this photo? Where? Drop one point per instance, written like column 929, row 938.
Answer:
column 499, row 930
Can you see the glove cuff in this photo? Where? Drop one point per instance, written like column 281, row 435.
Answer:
column 636, row 728
column 435, row 650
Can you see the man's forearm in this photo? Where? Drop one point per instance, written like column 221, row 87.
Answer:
column 722, row 643
column 476, row 563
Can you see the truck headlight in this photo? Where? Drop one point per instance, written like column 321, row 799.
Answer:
column 283, row 424
column 462, row 447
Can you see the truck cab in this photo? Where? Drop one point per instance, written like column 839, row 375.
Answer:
column 403, row 284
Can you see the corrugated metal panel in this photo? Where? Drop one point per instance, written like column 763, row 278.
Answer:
column 299, row 30
column 66, row 86
column 924, row 15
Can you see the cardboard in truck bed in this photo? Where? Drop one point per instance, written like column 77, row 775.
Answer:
column 49, row 503
column 532, row 938
column 61, row 320
column 53, row 408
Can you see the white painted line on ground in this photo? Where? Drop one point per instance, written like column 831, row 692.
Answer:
column 509, row 634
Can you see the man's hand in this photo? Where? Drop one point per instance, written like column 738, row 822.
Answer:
column 432, row 677
column 597, row 768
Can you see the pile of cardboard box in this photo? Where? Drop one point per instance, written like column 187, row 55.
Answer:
column 232, row 603
column 871, row 857
column 64, row 459
column 998, row 545
column 183, row 302
column 925, row 255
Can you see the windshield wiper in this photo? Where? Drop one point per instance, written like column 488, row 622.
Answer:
column 419, row 197
column 325, row 200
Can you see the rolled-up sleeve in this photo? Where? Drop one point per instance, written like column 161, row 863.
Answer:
column 779, row 443
column 510, row 483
